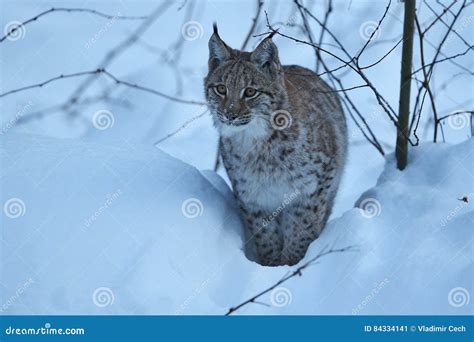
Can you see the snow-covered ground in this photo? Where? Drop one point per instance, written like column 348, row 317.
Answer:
column 99, row 229
column 110, row 223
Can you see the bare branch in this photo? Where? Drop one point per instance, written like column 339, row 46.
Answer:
column 297, row 272
column 348, row 103
column 445, row 24
column 120, row 48
column 183, row 126
column 69, row 10
column 471, row 112
column 448, row 58
column 352, row 63
column 321, row 36
column 109, row 75
column 254, row 24
column 152, row 91
column 53, row 79
column 375, row 30
column 438, row 16
column 426, row 81
column 428, row 72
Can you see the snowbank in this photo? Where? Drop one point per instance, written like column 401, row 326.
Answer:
column 127, row 229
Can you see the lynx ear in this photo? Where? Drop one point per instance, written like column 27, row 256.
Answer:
column 265, row 56
column 218, row 50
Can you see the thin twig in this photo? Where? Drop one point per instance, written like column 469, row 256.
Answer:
column 254, row 24
column 120, row 49
column 297, row 272
column 70, row 10
column 109, row 75
column 321, row 35
column 183, row 126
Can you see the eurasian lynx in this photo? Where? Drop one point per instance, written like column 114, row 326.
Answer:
column 283, row 140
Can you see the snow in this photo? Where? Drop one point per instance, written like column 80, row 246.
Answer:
column 120, row 229
column 100, row 226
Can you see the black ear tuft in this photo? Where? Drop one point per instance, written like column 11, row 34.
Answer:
column 218, row 50
column 270, row 36
column 214, row 26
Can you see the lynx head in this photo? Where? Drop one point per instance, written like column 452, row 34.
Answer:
column 244, row 88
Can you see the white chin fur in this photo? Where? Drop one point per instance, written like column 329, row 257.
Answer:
column 256, row 128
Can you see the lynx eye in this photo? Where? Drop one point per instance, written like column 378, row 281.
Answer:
column 220, row 89
column 250, row 92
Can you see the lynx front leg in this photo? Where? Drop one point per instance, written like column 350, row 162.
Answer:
column 263, row 233
column 301, row 225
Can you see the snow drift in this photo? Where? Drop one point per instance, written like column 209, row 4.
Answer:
column 127, row 229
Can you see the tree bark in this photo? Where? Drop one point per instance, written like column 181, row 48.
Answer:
column 405, row 85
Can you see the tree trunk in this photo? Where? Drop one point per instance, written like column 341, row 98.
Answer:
column 405, row 85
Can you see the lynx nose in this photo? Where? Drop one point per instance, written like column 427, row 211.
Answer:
column 231, row 115
column 232, row 111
